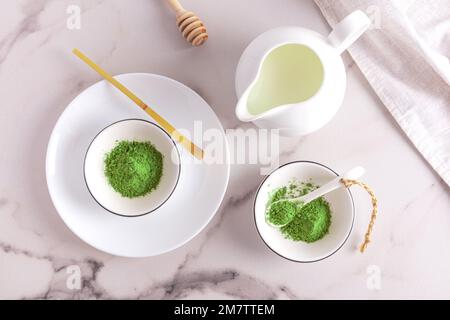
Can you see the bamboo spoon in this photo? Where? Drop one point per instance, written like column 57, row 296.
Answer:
column 190, row 26
column 185, row 142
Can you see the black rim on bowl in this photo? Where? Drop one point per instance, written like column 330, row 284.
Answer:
column 168, row 196
column 277, row 253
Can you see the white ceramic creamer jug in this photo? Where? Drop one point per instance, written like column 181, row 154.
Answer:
column 293, row 79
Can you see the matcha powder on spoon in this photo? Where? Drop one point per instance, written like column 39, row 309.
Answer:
column 309, row 222
column 134, row 168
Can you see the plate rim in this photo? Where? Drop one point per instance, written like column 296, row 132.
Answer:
column 188, row 239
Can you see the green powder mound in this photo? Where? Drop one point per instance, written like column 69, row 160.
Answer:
column 311, row 223
column 281, row 213
column 278, row 195
column 308, row 223
column 134, row 168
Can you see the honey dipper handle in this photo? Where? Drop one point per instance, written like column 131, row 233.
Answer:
column 175, row 5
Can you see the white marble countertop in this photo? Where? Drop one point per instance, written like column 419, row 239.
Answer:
column 410, row 253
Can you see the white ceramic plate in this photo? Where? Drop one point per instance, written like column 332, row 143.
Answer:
column 105, row 141
column 341, row 204
column 200, row 189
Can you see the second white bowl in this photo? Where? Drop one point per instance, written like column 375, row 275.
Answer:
column 341, row 205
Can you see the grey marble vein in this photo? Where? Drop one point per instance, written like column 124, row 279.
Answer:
column 227, row 259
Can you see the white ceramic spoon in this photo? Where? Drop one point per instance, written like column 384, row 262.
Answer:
column 334, row 184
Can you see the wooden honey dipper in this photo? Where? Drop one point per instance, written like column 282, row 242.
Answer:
column 190, row 26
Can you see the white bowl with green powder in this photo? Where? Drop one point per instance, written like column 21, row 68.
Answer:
column 132, row 167
column 319, row 228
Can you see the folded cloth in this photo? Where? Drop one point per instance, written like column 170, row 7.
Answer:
column 405, row 58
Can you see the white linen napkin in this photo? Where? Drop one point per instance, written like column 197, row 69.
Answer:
column 405, row 58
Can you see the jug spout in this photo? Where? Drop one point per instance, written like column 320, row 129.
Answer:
column 241, row 111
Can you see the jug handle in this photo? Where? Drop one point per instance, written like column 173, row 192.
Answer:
column 349, row 30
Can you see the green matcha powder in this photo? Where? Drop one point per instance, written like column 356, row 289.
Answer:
column 134, row 168
column 308, row 223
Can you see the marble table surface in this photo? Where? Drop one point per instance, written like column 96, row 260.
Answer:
column 410, row 253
